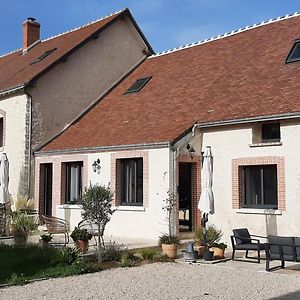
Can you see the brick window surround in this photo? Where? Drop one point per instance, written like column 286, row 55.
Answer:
column 196, row 186
column 115, row 174
column 238, row 188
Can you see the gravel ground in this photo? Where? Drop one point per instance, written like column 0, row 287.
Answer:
column 163, row 281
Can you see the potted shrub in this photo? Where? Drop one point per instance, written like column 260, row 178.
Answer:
column 169, row 242
column 213, row 236
column 46, row 239
column 169, row 245
column 21, row 227
column 219, row 250
column 81, row 238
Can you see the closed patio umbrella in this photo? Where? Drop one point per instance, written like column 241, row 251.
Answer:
column 3, row 178
column 206, row 202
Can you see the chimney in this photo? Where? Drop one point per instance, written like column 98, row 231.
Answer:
column 31, row 32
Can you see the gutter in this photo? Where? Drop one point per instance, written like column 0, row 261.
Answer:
column 12, row 89
column 103, row 149
column 285, row 116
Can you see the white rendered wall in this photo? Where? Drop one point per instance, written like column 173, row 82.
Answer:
column 147, row 222
column 16, row 142
column 233, row 143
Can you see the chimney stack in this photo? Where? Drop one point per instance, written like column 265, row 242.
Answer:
column 31, row 32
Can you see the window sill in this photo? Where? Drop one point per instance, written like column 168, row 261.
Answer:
column 70, row 206
column 129, row 208
column 265, row 144
column 259, row 211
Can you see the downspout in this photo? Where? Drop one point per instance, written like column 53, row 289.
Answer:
column 29, row 109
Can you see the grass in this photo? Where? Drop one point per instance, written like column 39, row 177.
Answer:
column 20, row 264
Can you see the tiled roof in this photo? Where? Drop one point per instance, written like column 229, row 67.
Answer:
column 241, row 75
column 16, row 69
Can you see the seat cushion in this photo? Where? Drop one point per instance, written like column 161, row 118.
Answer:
column 239, row 234
column 250, row 246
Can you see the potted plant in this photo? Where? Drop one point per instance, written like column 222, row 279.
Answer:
column 213, row 236
column 81, row 238
column 21, row 227
column 46, row 239
column 219, row 250
column 169, row 242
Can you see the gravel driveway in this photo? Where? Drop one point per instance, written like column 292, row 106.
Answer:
column 163, row 281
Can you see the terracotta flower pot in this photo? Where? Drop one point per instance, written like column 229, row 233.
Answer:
column 218, row 253
column 82, row 245
column 170, row 250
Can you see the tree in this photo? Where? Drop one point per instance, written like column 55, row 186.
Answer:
column 96, row 205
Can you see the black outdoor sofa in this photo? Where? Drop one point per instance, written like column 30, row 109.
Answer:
column 244, row 241
column 282, row 248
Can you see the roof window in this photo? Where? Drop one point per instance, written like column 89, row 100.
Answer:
column 43, row 56
column 294, row 54
column 138, row 85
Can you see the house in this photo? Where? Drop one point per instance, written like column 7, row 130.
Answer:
column 238, row 93
column 48, row 83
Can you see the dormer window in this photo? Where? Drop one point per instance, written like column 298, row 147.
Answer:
column 294, row 54
column 138, row 85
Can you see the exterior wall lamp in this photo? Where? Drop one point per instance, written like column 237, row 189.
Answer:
column 191, row 150
column 96, row 166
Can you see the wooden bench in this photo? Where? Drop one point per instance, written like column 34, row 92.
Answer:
column 282, row 248
column 56, row 225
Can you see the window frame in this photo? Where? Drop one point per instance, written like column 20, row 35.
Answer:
column 261, row 168
column 270, row 140
column 68, row 181
column 125, row 162
column 293, row 49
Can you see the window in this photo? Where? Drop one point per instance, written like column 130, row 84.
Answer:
column 131, row 181
column 43, row 56
column 138, row 85
column 73, row 182
column 270, row 132
column 294, row 54
column 261, row 186
column 1, row 133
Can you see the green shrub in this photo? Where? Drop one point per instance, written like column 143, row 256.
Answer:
column 128, row 259
column 67, row 256
column 213, row 235
column 148, row 253
column 112, row 252
column 80, row 234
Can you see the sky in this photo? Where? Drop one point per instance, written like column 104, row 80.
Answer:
column 166, row 23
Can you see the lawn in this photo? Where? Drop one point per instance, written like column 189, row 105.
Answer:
column 19, row 264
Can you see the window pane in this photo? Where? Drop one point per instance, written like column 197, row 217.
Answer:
column 271, row 132
column 132, row 181
column 270, row 185
column 1, row 132
column 73, row 182
column 253, row 190
column 295, row 53
column 261, row 186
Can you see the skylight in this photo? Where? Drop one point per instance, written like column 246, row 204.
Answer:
column 138, row 85
column 43, row 56
column 294, row 54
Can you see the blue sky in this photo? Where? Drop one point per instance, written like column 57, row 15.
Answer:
column 166, row 23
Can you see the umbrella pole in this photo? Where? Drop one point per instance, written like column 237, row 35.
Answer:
column 204, row 221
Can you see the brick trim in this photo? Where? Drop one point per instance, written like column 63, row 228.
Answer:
column 115, row 174
column 57, row 173
column 238, row 178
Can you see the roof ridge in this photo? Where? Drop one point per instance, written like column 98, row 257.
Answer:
column 227, row 34
column 11, row 52
column 82, row 26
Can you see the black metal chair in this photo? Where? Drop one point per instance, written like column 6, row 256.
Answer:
column 282, row 248
column 242, row 240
